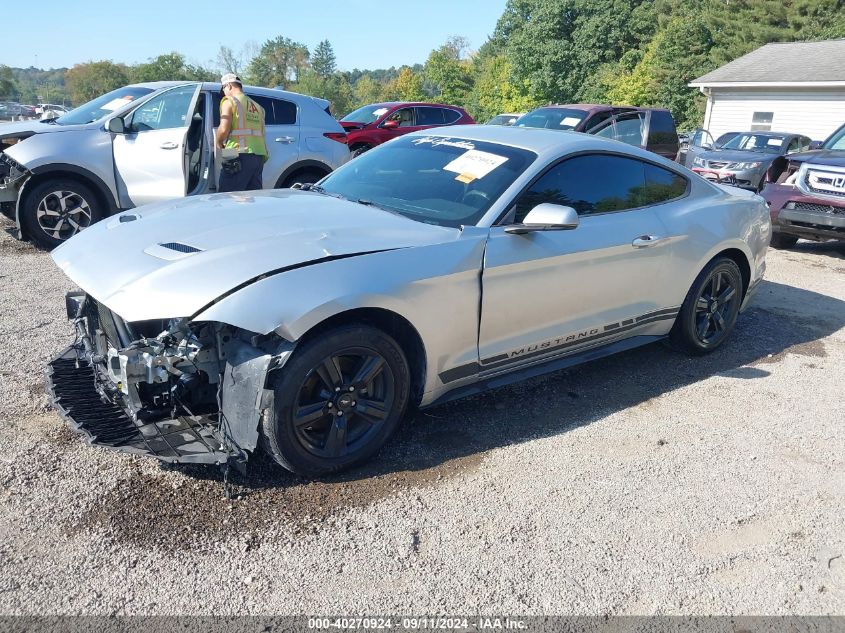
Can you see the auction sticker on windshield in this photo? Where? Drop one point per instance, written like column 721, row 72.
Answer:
column 474, row 164
column 114, row 104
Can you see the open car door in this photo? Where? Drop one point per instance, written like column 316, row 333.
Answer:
column 150, row 157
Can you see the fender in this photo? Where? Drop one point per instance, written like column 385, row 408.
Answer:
column 435, row 288
column 304, row 164
column 91, row 178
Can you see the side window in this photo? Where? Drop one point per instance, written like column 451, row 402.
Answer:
column 450, row 116
column 593, row 183
column 166, row 111
column 794, row 145
column 429, row 116
column 662, row 185
column 629, row 128
column 405, row 116
column 661, row 129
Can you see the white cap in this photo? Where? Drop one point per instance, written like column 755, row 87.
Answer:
column 230, row 78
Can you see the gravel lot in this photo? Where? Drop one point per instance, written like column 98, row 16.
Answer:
column 647, row 483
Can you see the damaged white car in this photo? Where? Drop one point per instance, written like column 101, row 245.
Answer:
column 437, row 265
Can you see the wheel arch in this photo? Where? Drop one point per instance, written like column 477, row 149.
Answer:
column 301, row 166
column 741, row 260
column 389, row 322
column 45, row 173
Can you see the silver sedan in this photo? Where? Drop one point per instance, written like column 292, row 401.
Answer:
column 437, row 265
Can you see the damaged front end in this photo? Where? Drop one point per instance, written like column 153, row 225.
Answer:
column 176, row 390
column 13, row 175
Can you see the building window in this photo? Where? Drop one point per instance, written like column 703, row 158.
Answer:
column 762, row 121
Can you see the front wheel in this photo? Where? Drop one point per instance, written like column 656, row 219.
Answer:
column 710, row 309
column 337, row 401
column 56, row 210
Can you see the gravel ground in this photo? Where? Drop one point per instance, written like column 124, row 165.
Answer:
column 647, row 483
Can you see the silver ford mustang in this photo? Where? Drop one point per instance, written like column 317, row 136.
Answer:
column 435, row 266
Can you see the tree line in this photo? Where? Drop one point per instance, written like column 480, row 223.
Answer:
column 634, row 52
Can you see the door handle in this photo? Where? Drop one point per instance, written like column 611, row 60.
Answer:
column 647, row 241
column 169, row 145
column 285, row 139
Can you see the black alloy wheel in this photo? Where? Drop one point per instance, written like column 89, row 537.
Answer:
column 342, row 402
column 709, row 312
column 337, row 400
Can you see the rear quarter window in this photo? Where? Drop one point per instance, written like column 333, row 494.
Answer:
column 450, row 116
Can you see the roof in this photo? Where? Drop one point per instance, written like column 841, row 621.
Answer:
column 783, row 63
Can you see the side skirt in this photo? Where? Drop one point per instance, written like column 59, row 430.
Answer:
column 546, row 367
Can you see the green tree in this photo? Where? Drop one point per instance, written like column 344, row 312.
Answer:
column 280, row 62
column 449, row 76
column 169, row 67
column 367, row 90
column 8, row 88
column 92, row 79
column 495, row 90
column 323, row 60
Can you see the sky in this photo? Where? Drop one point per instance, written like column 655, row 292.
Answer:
column 365, row 34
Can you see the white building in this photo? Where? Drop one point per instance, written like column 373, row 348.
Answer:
column 784, row 87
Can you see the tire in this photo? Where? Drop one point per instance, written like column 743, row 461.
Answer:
column 306, row 177
column 703, row 324
column 323, row 386
column 56, row 210
column 360, row 150
column 779, row 240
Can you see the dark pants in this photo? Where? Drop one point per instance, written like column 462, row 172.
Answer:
column 247, row 179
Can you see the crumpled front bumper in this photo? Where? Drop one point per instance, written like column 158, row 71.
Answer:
column 71, row 383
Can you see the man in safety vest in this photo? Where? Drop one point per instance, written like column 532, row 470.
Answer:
column 241, row 138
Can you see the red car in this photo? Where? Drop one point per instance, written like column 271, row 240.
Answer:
column 376, row 123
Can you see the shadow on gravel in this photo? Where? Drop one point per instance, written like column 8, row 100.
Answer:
column 834, row 249
column 450, row 440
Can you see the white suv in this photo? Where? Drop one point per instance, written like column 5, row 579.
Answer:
column 146, row 143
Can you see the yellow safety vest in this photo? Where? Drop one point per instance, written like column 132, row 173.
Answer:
column 247, row 135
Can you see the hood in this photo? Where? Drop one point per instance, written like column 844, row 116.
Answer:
column 175, row 258
column 738, row 156
column 830, row 157
column 352, row 125
column 28, row 128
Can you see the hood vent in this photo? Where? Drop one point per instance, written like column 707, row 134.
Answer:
column 181, row 248
column 171, row 250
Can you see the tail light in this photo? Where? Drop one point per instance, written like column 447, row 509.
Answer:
column 340, row 137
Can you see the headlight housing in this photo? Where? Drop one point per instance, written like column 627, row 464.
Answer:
column 698, row 162
column 747, row 165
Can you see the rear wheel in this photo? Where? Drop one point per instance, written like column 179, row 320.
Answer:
column 337, row 401
column 360, row 149
column 710, row 309
column 305, row 177
column 56, row 210
column 779, row 240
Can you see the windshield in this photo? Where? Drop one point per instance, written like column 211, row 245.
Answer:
column 552, row 118
column 367, row 114
column 102, row 106
column 764, row 144
column 433, row 179
column 836, row 140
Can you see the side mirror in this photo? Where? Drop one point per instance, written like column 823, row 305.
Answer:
column 816, row 144
column 390, row 124
column 117, row 125
column 546, row 217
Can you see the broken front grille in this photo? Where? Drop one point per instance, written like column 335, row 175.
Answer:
column 185, row 439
